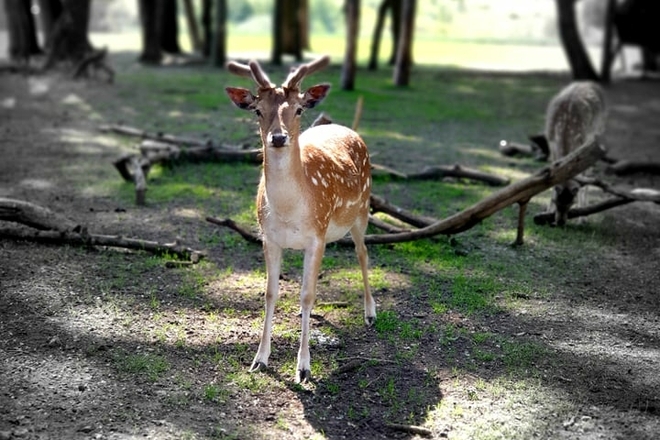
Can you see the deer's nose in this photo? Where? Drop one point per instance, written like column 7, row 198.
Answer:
column 278, row 139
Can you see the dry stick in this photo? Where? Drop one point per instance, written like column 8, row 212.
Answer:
column 411, row 429
column 140, row 181
column 136, row 132
column 35, row 216
column 231, row 224
column 549, row 217
column 380, row 224
column 621, row 198
column 358, row 113
column 82, row 239
column 442, row 171
column 378, row 204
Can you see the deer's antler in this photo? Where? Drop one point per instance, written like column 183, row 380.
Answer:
column 297, row 75
column 251, row 70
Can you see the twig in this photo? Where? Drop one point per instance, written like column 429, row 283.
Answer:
column 231, row 224
column 411, row 429
column 358, row 113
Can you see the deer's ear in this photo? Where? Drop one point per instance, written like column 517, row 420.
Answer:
column 315, row 95
column 241, row 97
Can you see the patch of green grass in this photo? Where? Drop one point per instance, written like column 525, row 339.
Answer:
column 523, row 356
column 148, row 365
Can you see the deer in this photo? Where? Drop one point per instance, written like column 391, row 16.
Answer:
column 574, row 116
column 315, row 187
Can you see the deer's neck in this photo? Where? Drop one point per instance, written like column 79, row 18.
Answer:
column 283, row 174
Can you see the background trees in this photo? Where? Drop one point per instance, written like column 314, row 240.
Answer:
column 65, row 24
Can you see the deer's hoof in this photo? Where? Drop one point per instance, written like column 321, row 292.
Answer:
column 369, row 320
column 258, row 366
column 303, row 376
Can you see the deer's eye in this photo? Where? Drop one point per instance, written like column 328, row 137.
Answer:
column 299, row 111
column 257, row 112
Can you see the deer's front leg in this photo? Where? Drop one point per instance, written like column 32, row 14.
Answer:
column 273, row 256
column 312, row 266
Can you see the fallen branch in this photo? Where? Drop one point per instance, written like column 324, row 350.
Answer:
column 410, row 429
column 549, row 217
column 626, row 167
column 86, row 239
column 621, row 197
column 35, row 216
column 56, row 229
column 231, row 224
column 379, row 204
column 438, row 172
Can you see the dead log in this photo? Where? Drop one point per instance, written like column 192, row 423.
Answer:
column 438, row 172
column 86, row 239
column 56, row 229
column 231, row 224
column 458, row 171
column 627, row 167
column 519, row 192
column 379, row 204
column 136, row 132
column 35, row 216
column 545, row 218
column 410, row 429
column 621, row 197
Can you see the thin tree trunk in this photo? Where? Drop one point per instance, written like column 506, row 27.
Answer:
column 378, row 33
column 169, row 41
column 396, row 29
column 352, row 29
column 206, row 28
column 220, row 37
column 404, row 53
column 22, row 32
column 150, row 11
column 572, row 42
column 608, row 49
column 50, row 11
column 193, row 29
column 278, row 12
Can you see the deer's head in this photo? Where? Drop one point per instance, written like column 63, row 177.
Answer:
column 278, row 108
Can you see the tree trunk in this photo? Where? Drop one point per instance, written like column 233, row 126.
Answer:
column 169, row 41
column 220, row 38
column 396, row 29
column 69, row 41
column 206, row 28
column 378, row 33
column 290, row 29
column 150, row 11
column 609, row 52
column 352, row 30
column 278, row 12
column 50, row 11
column 572, row 42
column 404, row 53
column 193, row 30
column 22, row 32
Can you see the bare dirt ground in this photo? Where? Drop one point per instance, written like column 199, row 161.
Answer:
column 63, row 329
